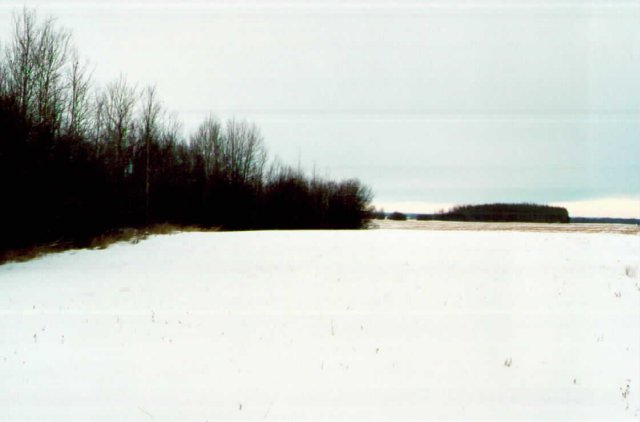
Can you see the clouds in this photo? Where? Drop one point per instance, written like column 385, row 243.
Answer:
column 425, row 101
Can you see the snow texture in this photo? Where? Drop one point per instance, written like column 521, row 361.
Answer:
column 351, row 325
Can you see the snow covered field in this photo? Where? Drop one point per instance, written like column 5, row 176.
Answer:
column 376, row 324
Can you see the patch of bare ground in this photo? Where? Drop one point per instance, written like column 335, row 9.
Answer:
column 102, row 241
column 630, row 229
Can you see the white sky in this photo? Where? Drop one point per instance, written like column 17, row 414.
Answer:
column 426, row 102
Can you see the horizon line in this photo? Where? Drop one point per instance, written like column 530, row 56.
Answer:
column 627, row 207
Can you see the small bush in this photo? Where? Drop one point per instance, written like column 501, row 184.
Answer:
column 397, row 216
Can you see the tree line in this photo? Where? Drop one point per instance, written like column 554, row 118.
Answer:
column 78, row 159
column 502, row 213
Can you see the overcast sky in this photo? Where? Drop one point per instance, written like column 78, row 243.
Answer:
column 430, row 103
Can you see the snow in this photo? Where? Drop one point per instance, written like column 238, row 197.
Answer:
column 374, row 324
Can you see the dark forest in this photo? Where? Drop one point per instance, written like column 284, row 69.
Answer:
column 78, row 160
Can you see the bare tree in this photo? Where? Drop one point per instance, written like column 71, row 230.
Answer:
column 4, row 77
column 244, row 152
column 171, row 130
column 116, row 114
column 207, row 144
column 149, row 132
column 78, row 108
column 99, row 122
column 19, row 59
column 51, row 57
column 35, row 63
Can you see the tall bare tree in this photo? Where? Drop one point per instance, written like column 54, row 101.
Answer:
column 51, row 57
column 78, row 107
column 35, row 64
column 116, row 113
column 20, row 66
column 244, row 152
column 4, row 76
column 150, row 131
column 207, row 145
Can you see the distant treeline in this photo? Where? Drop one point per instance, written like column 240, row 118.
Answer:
column 605, row 220
column 77, row 159
column 502, row 213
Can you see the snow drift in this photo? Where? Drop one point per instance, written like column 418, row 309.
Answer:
column 377, row 324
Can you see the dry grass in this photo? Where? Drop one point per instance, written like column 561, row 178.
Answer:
column 103, row 241
column 630, row 229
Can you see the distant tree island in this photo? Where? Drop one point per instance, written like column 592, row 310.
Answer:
column 500, row 212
